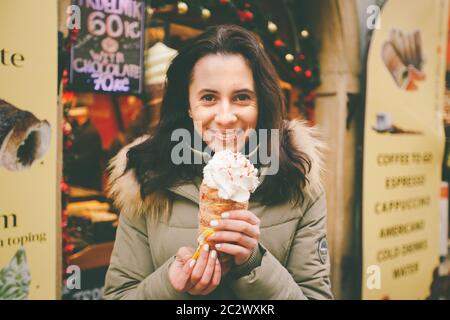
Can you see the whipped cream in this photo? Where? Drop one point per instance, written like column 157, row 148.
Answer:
column 232, row 175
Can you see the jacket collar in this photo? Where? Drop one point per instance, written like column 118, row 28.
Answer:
column 125, row 190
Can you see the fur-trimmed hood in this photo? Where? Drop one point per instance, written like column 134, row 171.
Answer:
column 124, row 189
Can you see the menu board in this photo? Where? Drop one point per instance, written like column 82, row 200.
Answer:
column 30, row 156
column 403, row 150
column 108, row 53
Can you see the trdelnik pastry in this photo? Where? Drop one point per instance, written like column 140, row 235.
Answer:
column 23, row 137
column 228, row 180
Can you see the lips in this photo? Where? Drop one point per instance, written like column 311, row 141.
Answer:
column 226, row 135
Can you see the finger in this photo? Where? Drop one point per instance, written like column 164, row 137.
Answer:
column 233, row 249
column 237, row 226
column 200, row 266
column 185, row 253
column 187, row 269
column 184, row 275
column 215, row 281
column 207, row 274
column 243, row 215
column 231, row 236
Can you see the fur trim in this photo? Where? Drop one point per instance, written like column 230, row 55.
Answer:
column 124, row 189
column 308, row 140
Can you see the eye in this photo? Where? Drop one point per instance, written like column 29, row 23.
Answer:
column 242, row 97
column 208, row 98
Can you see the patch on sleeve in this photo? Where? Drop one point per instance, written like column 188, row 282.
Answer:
column 323, row 250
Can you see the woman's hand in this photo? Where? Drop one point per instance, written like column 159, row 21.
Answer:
column 197, row 277
column 237, row 234
column 181, row 269
column 206, row 273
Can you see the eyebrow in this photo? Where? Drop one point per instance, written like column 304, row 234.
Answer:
column 245, row 90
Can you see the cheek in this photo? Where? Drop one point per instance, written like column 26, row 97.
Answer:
column 202, row 116
column 250, row 117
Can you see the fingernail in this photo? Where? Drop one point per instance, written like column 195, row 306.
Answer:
column 214, row 223
column 225, row 215
column 206, row 247
column 218, row 246
column 213, row 254
column 192, row 263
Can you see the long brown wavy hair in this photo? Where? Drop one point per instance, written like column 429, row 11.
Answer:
column 151, row 160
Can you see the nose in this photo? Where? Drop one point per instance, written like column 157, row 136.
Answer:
column 225, row 116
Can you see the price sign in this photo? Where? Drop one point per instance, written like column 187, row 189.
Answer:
column 108, row 54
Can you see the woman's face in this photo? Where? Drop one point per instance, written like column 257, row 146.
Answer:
column 222, row 101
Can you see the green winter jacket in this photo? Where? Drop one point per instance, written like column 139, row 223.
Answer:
column 294, row 265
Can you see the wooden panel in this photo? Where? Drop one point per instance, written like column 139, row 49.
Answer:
column 93, row 256
column 331, row 112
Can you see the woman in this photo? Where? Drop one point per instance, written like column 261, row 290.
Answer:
column 220, row 87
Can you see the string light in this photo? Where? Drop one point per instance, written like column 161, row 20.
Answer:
column 278, row 43
column 206, row 14
column 289, row 57
column 182, row 7
column 150, row 11
column 245, row 16
column 304, row 34
column 272, row 27
column 247, row 12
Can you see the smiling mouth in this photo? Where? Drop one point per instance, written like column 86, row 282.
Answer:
column 226, row 135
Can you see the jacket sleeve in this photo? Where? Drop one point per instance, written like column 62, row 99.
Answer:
column 306, row 275
column 131, row 274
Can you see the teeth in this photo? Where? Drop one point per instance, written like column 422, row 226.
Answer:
column 223, row 137
column 227, row 135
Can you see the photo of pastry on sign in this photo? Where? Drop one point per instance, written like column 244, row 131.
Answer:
column 23, row 137
column 403, row 57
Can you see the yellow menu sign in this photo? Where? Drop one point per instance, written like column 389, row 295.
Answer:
column 29, row 138
column 403, row 149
